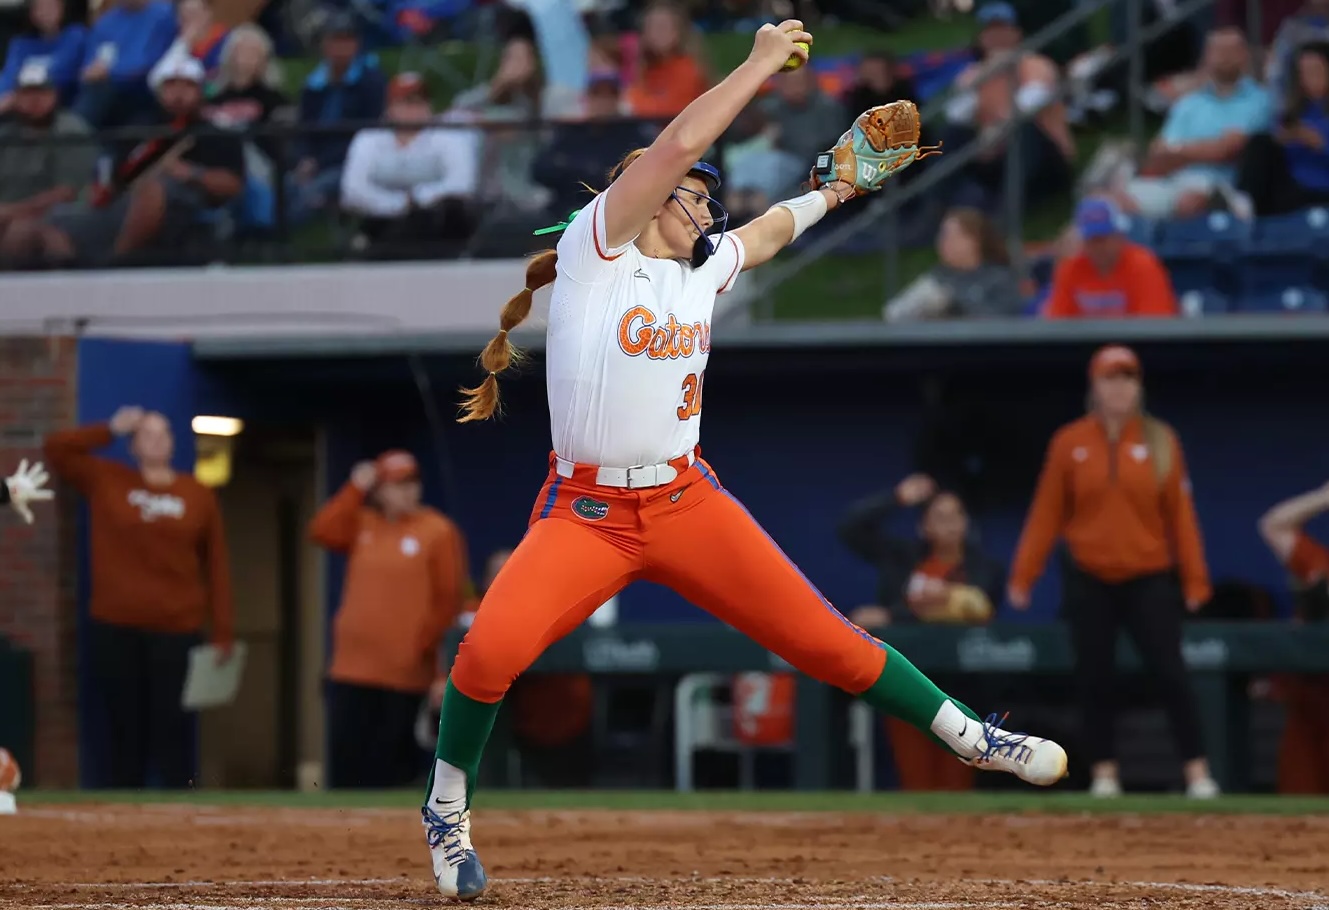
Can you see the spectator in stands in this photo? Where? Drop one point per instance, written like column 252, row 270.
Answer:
column 508, row 106
column 56, row 44
column 757, row 171
column 669, row 71
column 1303, row 755
column 200, row 35
column 879, row 81
column 517, row 93
column 1309, row 25
column 34, row 176
column 974, row 277
column 1288, row 169
column 407, row 581
column 247, row 94
column 247, row 91
column 1114, row 487
column 939, row 576
column 1191, row 165
column 583, row 152
column 410, row 182
column 159, row 574
column 1273, row 14
column 158, row 192
column 346, row 86
column 125, row 43
column 1111, row 276
column 803, row 115
column 987, row 89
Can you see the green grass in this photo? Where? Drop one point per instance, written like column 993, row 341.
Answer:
column 713, row 800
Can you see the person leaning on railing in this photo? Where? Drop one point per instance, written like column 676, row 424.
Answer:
column 1303, row 755
column 1115, row 488
column 940, row 576
column 1010, row 82
column 411, row 181
column 973, row 277
column 37, row 176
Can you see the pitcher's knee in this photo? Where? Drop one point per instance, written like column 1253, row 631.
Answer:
column 851, row 665
column 485, row 669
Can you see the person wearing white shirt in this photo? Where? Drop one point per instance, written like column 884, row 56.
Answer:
column 410, row 181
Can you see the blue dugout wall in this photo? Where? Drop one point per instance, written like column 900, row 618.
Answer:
column 798, row 435
column 158, row 376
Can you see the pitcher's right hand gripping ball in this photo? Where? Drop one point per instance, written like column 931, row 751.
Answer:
column 883, row 140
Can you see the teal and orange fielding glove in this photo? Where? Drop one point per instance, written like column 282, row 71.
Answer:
column 883, row 140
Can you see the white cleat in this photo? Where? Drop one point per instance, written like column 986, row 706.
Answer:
column 1034, row 760
column 457, row 870
column 1105, row 788
column 1204, row 788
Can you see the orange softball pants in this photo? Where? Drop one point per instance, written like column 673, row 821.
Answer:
column 586, row 542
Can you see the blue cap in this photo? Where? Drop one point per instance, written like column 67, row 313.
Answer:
column 997, row 11
column 1097, row 217
column 708, row 172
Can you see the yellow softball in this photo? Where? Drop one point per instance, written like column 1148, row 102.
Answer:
column 795, row 61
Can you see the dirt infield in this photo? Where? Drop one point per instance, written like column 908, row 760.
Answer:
column 176, row 857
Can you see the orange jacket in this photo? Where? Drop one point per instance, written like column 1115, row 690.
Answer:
column 664, row 88
column 1137, row 286
column 1119, row 520
column 406, row 582
column 159, row 559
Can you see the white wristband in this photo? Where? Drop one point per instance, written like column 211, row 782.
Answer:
column 807, row 210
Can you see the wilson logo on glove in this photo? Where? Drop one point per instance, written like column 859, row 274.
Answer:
column 884, row 139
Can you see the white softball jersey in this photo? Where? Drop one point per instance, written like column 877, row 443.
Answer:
column 628, row 341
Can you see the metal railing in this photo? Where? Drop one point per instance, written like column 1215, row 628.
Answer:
column 760, row 297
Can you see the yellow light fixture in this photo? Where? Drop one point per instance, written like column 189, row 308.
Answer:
column 217, row 426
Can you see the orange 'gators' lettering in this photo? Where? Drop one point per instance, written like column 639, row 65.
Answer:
column 640, row 332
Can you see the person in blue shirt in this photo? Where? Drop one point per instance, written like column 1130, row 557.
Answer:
column 1287, row 168
column 1195, row 155
column 347, row 87
column 124, row 45
column 59, row 45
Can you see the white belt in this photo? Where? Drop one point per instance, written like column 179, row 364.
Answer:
column 634, row 478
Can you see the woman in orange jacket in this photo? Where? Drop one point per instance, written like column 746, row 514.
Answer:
column 406, row 583
column 160, row 574
column 1114, row 488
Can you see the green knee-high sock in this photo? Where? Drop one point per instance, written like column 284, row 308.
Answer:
column 463, row 729
column 904, row 692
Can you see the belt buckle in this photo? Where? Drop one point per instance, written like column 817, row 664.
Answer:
column 655, row 475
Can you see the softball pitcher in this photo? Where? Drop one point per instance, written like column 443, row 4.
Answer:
column 635, row 276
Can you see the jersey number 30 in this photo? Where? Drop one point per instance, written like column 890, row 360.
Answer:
column 692, row 386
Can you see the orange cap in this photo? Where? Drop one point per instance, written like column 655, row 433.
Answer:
column 397, row 465
column 1114, row 360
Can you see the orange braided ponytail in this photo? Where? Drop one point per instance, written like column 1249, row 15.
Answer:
column 482, row 402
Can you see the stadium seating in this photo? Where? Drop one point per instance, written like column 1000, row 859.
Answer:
column 1221, row 264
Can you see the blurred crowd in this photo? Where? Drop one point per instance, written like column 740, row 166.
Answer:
column 233, row 150
column 164, row 124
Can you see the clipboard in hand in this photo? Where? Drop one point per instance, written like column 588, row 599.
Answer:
column 208, row 685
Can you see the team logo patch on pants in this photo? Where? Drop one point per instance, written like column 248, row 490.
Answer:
column 590, row 509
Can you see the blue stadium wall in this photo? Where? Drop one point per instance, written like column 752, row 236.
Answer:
column 799, row 435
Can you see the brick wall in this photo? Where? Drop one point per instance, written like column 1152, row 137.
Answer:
column 38, row 568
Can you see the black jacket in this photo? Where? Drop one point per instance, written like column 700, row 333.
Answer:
column 895, row 558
